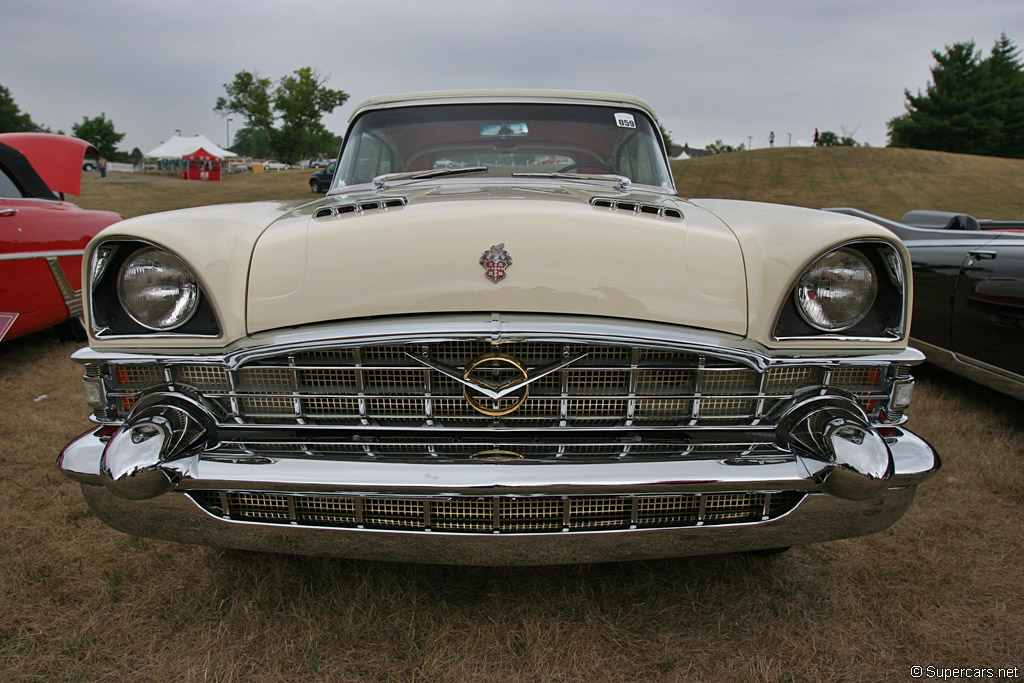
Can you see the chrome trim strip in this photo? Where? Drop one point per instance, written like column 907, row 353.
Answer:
column 499, row 328
column 517, row 181
column 43, row 200
column 72, row 298
column 498, row 97
column 975, row 370
column 27, row 255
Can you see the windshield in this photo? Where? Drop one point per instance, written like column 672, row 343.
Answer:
column 505, row 139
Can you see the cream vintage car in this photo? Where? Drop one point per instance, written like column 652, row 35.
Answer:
column 501, row 338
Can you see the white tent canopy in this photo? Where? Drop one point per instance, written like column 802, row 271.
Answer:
column 178, row 147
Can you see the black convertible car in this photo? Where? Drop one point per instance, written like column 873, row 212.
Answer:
column 968, row 293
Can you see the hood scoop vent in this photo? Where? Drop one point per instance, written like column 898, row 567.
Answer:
column 354, row 208
column 636, row 208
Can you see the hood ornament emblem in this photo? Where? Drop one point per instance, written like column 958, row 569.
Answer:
column 495, row 262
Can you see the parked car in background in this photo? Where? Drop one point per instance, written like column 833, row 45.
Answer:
column 947, row 220
column 239, row 165
column 969, row 293
column 321, row 180
column 271, row 165
column 499, row 362
column 42, row 237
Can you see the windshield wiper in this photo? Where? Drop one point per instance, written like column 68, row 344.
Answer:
column 621, row 181
column 381, row 181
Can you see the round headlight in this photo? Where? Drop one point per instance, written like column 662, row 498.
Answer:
column 157, row 290
column 837, row 290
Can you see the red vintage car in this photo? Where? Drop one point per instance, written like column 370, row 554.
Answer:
column 42, row 237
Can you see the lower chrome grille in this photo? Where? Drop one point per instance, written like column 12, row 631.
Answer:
column 499, row 514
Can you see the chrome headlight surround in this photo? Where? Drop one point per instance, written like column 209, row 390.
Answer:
column 849, row 310
column 137, row 288
column 157, row 290
column 837, row 291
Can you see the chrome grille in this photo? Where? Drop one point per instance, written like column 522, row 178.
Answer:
column 611, row 386
column 499, row 514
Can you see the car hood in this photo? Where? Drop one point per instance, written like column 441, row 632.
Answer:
column 359, row 256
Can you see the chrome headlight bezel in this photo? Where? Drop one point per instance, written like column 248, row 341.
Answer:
column 885, row 319
column 111, row 315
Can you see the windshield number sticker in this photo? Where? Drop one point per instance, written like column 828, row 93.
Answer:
column 623, row 120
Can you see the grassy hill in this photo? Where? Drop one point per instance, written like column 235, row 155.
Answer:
column 885, row 181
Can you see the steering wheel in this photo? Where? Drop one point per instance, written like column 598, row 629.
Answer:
column 573, row 167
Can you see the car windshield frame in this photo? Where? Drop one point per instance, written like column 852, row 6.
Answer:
column 516, row 141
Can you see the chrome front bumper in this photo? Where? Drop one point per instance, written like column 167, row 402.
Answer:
column 820, row 516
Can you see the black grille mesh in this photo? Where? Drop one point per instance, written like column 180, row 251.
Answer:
column 499, row 514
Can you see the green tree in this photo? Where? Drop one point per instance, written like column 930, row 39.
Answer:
column 830, row 138
column 719, row 147
column 327, row 144
column 252, row 142
column 299, row 100
column 972, row 106
column 667, row 135
column 12, row 120
column 100, row 132
column 1005, row 76
column 249, row 97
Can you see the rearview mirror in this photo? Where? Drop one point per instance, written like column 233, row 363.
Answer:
column 504, row 130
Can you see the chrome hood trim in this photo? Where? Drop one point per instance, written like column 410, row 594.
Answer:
column 499, row 328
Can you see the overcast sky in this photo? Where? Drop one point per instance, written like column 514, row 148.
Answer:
column 724, row 70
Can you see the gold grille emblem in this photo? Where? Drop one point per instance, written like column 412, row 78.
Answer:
column 495, row 384
column 496, row 455
column 495, row 372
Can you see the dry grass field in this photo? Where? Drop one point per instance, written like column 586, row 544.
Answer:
column 942, row 588
column 133, row 194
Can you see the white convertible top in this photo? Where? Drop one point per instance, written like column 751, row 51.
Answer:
column 510, row 95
